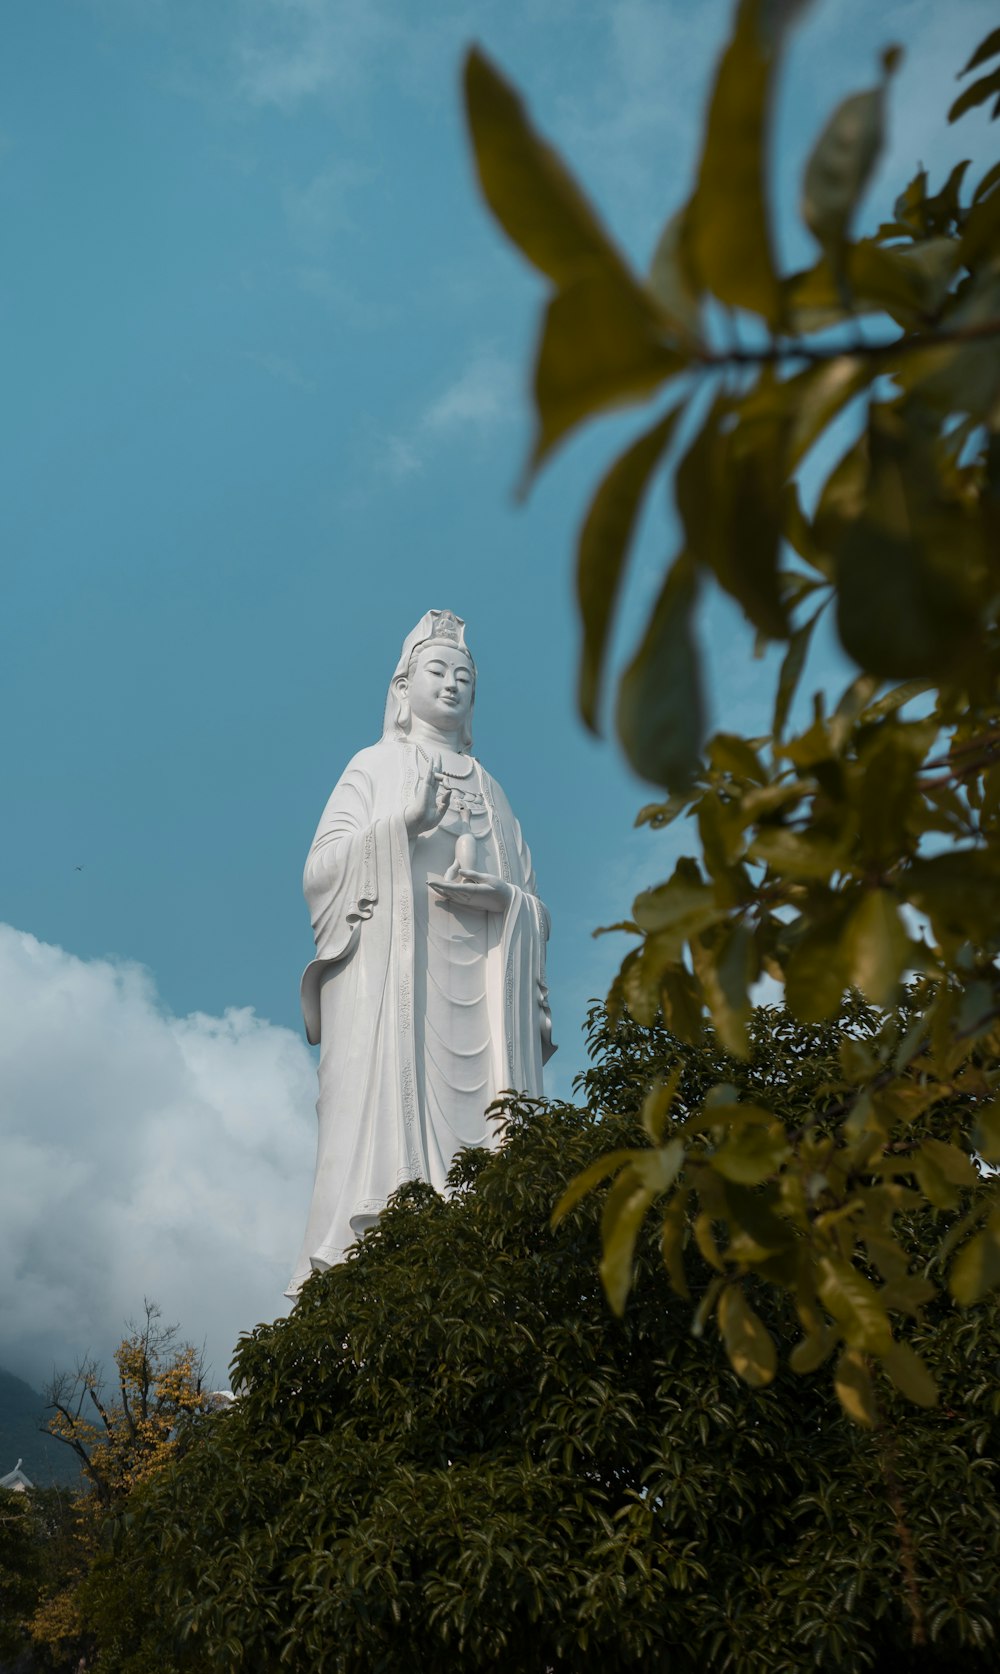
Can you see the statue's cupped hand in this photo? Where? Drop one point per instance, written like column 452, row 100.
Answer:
column 473, row 889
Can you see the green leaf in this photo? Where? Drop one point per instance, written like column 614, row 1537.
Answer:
column 811, row 1352
column 981, row 231
column 756, row 1232
column 624, row 1211
column 721, row 1113
column 660, row 814
column 728, row 233
column 888, row 790
column 727, row 968
column 841, row 165
column 659, row 1168
column 604, row 544
column 959, row 890
column 987, row 1132
column 876, row 946
column 682, row 1002
column 854, row 1304
column 671, row 281
column 956, row 1165
column 854, row 1388
column 602, row 345
column 977, row 94
column 990, row 179
column 895, row 700
column 791, row 672
column 908, row 1294
column 683, row 905
column 729, row 753
column 817, row 395
column 799, row 854
column 526, row 184
column 933, row 1182
column 657, row 1104
column 585, row 1182
column 962, row 377
column 730, row 495
column 752, row 1154
column 816, row 973
column 976, row 1269
column 910, row 1375
column 672, row 1242
column 908, row 282
column 641, row 974
column 906, row 555
column 660, row 705
column 988, row 48
column 749, row 1344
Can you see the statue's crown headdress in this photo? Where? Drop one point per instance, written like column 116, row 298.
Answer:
column 447, row 627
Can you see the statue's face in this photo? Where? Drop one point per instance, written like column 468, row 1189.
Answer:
column 440, row 686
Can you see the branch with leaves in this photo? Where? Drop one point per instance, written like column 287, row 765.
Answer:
column 864, row 850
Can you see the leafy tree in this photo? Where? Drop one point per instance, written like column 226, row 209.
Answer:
column 452, row 1455
column 122, row 1438
column 867, row 845
column 18, row 1566
column 37, row 1546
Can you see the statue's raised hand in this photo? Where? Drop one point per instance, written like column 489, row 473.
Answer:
column 429, row 802
column 473, row 889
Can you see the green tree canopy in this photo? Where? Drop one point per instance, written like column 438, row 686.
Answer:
column 452, row 1455
column 864, row 848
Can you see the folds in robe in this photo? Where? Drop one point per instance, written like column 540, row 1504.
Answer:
column 382, row 1117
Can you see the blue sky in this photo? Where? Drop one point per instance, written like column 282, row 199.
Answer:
column 265, row 360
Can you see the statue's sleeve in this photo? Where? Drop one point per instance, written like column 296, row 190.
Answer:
column 341, row 879
column 538, row 912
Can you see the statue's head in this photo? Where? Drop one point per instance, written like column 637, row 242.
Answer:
column 435, row 679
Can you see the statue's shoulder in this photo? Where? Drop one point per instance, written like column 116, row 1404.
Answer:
column 374, row 759
column 497, row 793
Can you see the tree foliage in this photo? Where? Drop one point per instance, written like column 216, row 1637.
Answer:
column 865, row 847
column 452, row 1455
column 122, row 1437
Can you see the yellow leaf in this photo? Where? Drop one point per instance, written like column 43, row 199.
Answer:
column 603, row 549
column 525, row 182
column 589, row 1177
column 976, row 1269
column 603, row 344
column 748, row 1342
column 877, row 946
column 624, row 1211
column 855, row 1304
column 812, row 1351
column 672, row 1242
column 910, row 1375
column 727, row 239
column 658, row 1102
column 854, row 1388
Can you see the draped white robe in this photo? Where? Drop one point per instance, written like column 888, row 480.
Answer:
column 377, row 1125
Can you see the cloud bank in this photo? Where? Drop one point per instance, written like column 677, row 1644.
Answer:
column 141, row 1155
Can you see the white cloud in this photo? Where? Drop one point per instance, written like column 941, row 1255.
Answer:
column 485, row 395
column 143, row 1155
column 358, row 311
column 322, row 205
column 290, row 50
column 279, row 367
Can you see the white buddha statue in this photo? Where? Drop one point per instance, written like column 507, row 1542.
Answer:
column 427, row 994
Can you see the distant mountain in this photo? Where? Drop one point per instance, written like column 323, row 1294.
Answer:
column 22, row 1411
